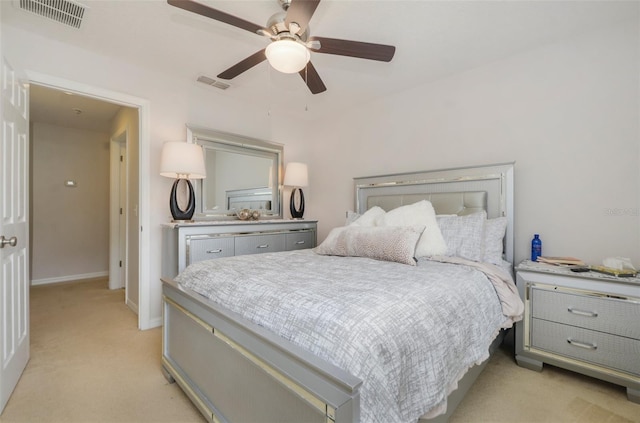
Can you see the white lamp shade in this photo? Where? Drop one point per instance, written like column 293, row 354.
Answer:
column 182, row 160
column 296, row 175
column 287, row 56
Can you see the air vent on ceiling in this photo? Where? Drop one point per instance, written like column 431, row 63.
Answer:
column 213, row 82
column 67, row 12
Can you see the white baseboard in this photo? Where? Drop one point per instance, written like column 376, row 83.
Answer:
column 69, row 278
column 133, row 306
column 154, row 323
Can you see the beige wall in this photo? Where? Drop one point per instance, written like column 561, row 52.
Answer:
column 69, row 226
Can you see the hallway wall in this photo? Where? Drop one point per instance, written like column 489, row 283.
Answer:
column 69, row 225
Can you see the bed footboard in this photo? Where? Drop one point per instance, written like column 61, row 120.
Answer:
column 233, row 370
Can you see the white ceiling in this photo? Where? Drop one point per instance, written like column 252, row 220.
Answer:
column 433, row 39
column 65, row 109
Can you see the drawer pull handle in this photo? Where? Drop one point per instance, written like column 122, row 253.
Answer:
column 300, row 242
column 263, row 246
column 582, row 312
column 219, row 250
column 585, row 345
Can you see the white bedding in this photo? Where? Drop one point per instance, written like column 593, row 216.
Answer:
column 409, row 332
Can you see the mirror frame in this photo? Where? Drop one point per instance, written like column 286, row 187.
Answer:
column 210, row 138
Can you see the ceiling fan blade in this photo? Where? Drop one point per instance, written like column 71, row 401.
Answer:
column 300, row 12
column 312, row 79
column 244, row 65
column 218, row 15
column 380, row 52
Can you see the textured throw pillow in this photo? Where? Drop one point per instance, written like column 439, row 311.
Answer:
column 464, row 235
column 421, row 213
column 370, row 218
column 380, row 243
column 494, row 231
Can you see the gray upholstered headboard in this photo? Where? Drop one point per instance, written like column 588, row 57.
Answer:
column 460, row 203
column 451, row 191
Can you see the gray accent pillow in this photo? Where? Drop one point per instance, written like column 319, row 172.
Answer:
column 494, row 231
column 388, row 243
column 464, row 235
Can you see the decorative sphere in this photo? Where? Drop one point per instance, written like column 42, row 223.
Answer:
column 244, row 214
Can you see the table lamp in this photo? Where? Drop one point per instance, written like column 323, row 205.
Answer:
column 296, row 176
column 183, row 161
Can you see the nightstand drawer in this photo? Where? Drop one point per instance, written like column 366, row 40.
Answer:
column 255, row 244
column 209, row 248
column 598, row 348
column 603, row 314
column 299, row 240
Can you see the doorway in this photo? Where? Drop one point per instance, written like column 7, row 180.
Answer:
column 70, row 196
column 138, row 240
column 118, row 226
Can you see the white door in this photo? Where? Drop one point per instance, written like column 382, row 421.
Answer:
column 14, row 230
column 122, row 227
column 118, row 213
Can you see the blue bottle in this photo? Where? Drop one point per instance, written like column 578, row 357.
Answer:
column 536, row 247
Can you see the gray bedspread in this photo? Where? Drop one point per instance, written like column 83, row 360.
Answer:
column 409, row 332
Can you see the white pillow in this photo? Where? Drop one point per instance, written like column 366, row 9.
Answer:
column 431, row 242
column 494, row 231
column 380, row 243
column 351, row 217
column 464, row 235
column 370, row 218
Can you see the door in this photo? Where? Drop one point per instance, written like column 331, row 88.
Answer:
column 122, row 221
column 14, row 230
column 118, row 213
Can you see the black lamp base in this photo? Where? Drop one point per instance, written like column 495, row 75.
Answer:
column 176, row 212
column 296, row 213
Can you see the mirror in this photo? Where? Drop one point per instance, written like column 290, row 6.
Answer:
column 242, row 173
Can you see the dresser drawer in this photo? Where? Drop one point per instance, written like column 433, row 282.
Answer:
column 615, row 352
column 603, row 314
column 299, row 240
column 255, row 244
column 206, row 248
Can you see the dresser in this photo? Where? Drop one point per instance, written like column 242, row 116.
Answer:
column 186, row 243
column 585, row 322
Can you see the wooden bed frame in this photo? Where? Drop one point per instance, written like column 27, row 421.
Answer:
column 236, row 371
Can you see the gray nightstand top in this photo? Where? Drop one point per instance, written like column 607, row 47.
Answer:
column 528, row 265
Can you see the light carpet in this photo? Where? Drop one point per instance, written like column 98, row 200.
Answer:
column 90, row 363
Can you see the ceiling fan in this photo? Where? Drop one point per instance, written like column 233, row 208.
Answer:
column 289, row 50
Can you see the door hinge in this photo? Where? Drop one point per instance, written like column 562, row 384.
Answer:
column 121, row 158
column 120, row 210
column 120, row 263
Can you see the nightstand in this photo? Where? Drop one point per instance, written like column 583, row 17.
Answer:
column 584, row 322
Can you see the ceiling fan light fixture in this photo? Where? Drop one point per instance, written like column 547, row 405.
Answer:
column 287, row 56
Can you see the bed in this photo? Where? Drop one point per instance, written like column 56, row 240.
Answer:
column 240, row 361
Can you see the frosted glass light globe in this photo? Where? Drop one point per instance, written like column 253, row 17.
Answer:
column 287, row 56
